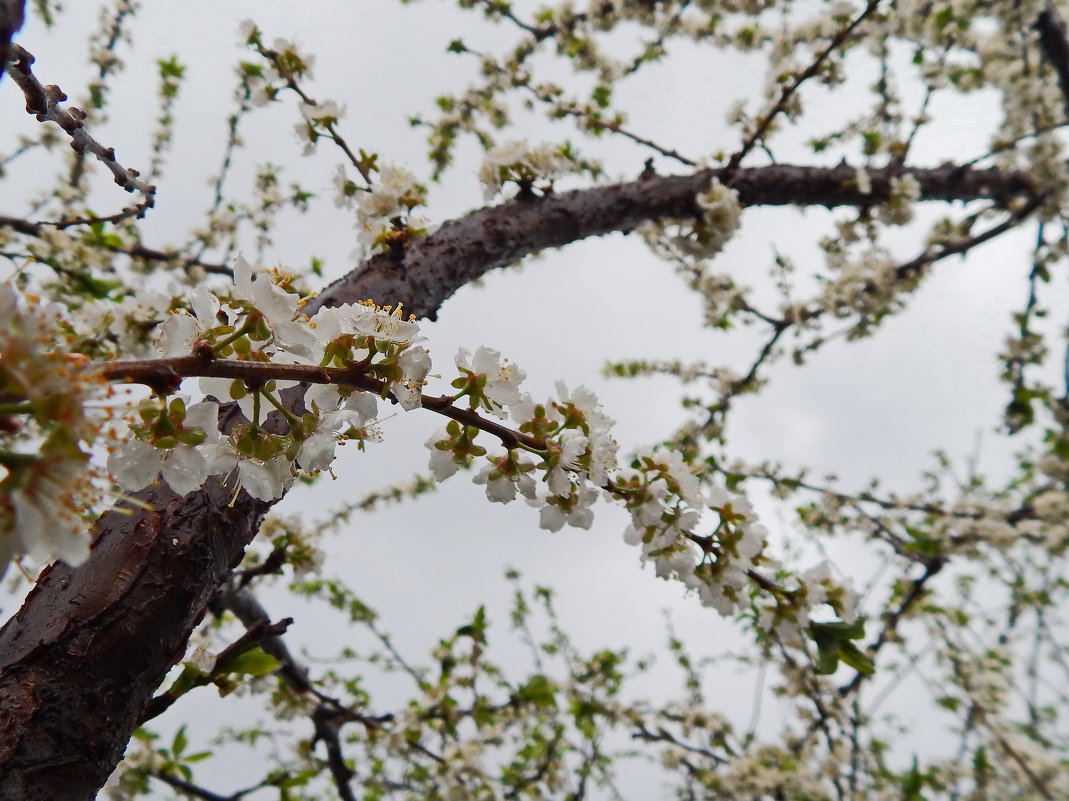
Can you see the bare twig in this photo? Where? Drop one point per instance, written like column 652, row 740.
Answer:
column 44, row 103
column 196, row 791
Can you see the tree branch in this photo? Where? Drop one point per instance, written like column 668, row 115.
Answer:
column 12, row 13
column 44, row 103
column 136, row 251
column 434, row 267
column 1054, row 43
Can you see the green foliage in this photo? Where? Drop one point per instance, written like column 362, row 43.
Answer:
column 834, row 645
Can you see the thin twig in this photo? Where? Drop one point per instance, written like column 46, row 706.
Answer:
column 789, row 91
column 44, row 103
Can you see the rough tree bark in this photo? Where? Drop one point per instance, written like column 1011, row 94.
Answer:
column 11, row 16
column 82, row 657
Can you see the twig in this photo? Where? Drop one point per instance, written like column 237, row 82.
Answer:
column 44, row 103
column 961, row 246
column 37, row 230
column 164, row 375
column 788, row 91
column 328, row 723
column 196, row 791
column 253, row 636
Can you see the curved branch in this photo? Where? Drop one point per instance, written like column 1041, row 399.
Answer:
column 434, row 267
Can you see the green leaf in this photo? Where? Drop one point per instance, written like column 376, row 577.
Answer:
column 189, row 678
column 539, row 691
column 913, row 783
column 253, row 662
column 851, row 655
column 827, row 661
column 178, row 745
column 833, row 641
column 477, row 628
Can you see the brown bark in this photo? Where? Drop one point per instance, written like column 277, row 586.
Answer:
column 11, row 18
column 84, row 654
column 464, row 249
column 80, row 660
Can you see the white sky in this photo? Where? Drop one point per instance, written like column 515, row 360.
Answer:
column 877, row 407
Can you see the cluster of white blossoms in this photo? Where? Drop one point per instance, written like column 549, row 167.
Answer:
column 715, row 565
column 254, row 342
column 316, row 116
column 577, row 463
column 574, row 456
column 688, row 241
column 47, row 483
column 386, row 209
column 522, row 164
column 259, row 323
column 285, row 63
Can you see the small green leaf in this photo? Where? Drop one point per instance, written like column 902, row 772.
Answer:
column 477, row 628
column 855, row 658
column 253, row 662
column 538, row 691
column 833, row 641
column 178, row 745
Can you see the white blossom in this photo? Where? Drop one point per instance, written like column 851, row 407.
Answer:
column 265, row 480
column 415, row 363
column 503, row 379
column 520, row 163
column 442, row 462
column 135, row 464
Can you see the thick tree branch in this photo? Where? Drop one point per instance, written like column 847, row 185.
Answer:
column 11, row 17
column 434, row 267
column 80, row 660
column 1054, row 43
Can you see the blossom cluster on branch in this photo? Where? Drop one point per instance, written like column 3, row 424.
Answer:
column 561, row 455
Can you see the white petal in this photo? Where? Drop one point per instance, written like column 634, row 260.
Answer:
column 177, row 335
column 442, row 465
column 317, row 452
column 262, row 480
column 551, row 518
column 242, row 278
column 185, row 469
column 205, row 416
column 205, row 306
column 219, row 457
column 135, row 464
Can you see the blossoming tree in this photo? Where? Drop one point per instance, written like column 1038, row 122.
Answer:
column 158, row 398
